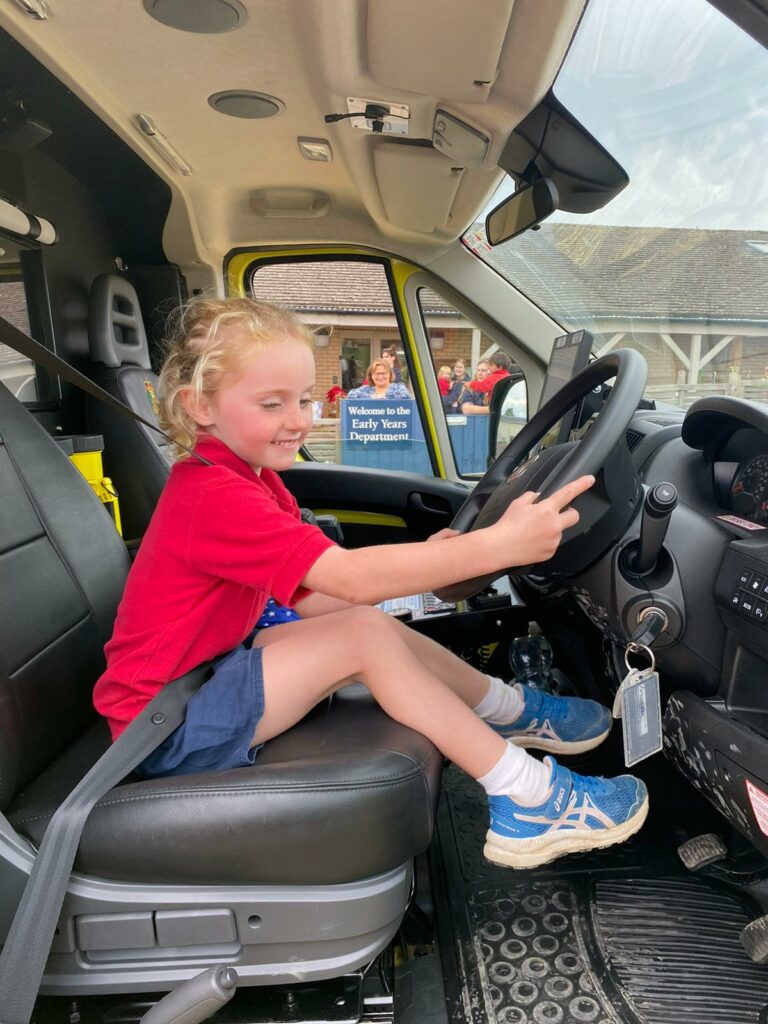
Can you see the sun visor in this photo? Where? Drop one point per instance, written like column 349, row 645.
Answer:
column 551, row 141
column 437, row 49
column 417, row 186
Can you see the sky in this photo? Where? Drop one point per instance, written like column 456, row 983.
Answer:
column 679, row 96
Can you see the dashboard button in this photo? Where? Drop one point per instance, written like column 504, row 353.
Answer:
column 745, row 577
column 736, row 599
column 764, row 590
column 756, row 584
column 747, row 604
column 760, row 611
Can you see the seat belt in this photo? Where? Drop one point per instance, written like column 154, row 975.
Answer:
column 28, row 943
column 42, row 356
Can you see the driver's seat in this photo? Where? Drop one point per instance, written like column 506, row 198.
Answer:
column 296, row 868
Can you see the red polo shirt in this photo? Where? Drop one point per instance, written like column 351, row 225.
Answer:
column 486, row 386
column 221, row 542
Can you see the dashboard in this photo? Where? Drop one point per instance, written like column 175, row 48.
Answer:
column 711, row 580
column 716, row 547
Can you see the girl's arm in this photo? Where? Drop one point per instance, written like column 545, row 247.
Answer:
column 528, row 532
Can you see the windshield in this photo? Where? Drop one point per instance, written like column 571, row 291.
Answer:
column 675, row 266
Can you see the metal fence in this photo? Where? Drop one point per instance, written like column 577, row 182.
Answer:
column 684, row 395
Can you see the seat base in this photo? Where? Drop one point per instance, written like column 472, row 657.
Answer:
column 116, row 938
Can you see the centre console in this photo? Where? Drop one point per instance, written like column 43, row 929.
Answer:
column 721, row 746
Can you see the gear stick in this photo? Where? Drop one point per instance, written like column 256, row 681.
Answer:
column 659, row 504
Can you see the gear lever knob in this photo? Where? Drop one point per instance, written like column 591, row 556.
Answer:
column 659, row 504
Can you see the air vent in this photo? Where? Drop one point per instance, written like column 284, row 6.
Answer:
column 633, row 439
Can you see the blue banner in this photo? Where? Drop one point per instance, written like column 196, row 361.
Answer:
column 378, row 421
column 383, row 433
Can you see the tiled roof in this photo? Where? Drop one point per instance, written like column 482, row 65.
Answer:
column 640, row 272
column 334, row 286
column 572, row 271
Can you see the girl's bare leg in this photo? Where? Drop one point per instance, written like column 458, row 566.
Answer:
column 460, row 677
column 308, row 660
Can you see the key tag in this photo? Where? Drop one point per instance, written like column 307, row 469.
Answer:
column 638, row 704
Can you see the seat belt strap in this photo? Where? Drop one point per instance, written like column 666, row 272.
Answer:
column 28, row 943
column 39, row 354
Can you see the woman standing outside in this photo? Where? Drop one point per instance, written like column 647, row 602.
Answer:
column 382, row 383
column 460, row 371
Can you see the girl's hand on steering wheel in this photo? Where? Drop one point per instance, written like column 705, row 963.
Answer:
column 531, row 530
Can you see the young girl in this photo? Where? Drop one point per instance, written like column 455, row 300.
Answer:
column 227, row 536
column 444, row 379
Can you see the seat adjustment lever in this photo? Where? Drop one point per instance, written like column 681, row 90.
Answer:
column 196, row 999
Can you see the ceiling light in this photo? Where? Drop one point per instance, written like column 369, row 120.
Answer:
column 316, row 149
column 162, row 145
column 244, row 103
column 207, row 16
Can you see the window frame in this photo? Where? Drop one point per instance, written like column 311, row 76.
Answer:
column 242, row 265
column 498, row 335
column 38, row 303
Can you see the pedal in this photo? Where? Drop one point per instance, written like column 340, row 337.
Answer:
column 754, row 939
column 699, row 852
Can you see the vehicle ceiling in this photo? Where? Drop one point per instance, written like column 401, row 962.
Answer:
column 311, row 54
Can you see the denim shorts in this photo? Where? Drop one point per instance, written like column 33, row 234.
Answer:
column 221, row 720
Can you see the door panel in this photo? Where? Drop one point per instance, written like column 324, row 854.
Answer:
column 376, row 506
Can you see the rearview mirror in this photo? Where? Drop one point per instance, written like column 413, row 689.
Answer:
column 525, row 208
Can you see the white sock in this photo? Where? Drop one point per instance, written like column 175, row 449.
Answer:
column 502, row 704
column 519, row 776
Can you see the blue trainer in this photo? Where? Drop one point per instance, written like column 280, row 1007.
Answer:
column 559, row 725
column 581, row 813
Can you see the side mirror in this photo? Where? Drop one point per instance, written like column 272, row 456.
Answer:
column 508, row 413
column 522, row 210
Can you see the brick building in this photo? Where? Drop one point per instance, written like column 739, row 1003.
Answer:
column 350, row 304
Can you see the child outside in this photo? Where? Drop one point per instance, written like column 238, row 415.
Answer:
column 444, row 379
column 227, row 536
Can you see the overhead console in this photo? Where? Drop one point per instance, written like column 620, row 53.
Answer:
column 418, row 186
column 400, row 33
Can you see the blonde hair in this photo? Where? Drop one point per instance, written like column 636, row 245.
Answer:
column 372, row 367
column 201, row 349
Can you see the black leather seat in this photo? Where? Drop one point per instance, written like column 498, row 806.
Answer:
column 331, row 814
column 347, row 764
column 136, row 458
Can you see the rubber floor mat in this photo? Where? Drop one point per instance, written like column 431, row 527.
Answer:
column 621, row 936
column 674, row 951
column 532, row 964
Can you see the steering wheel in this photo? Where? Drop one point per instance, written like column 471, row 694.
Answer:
column 605, row 510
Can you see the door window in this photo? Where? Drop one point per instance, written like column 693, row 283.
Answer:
column 17, row 373
column 360, row 419
column 466, row 363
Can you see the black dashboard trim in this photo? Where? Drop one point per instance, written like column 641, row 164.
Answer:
column 711, row 421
